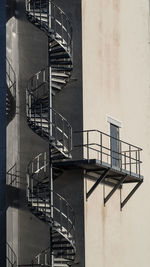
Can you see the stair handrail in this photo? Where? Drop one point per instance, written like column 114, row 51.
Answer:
column 44, row 195
column 55, row 9
column 127, row 155
column 60, row 127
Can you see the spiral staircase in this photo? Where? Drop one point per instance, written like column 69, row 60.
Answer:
column 51, row 126
column 11, row 92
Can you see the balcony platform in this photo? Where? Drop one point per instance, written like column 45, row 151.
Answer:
column 104, row 173
column 95, row 166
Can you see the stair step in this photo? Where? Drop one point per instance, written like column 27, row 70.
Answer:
column 53, row 44
column 59, row 74
column 38, row 13
column 55, row 62
column 59, row 242
column 56, row 49
column 58, row 80
column 61, row 248
column 56, row 86
column 59, row 55
column 61, row 68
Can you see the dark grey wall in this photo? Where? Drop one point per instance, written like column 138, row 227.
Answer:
column 69, row 103
column 32, row 49
column 2, row 134
column 32, row 57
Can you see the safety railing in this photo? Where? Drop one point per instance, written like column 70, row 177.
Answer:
column 50, row 122
column 39, row 166
column 10, row 78
column 51, row 17
column 58, row 212
column 38, row 84
column 112, row 151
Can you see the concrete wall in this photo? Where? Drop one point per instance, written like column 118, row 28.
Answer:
column 12, row 130
column 30, row 56
column 116, row 82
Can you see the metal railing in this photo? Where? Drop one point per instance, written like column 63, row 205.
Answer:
column 39, row 166
column 38, row 84
column 115, row 152
column 50, row 122
column 63, row 217
column 50, row 17
column 10, row 78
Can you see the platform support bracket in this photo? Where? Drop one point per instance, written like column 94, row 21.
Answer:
column 100, row 180
column 120, row 182
column 122, row 204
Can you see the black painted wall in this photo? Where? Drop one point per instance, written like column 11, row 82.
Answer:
column 32, row 57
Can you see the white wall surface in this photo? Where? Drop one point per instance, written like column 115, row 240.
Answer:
column 116, row 82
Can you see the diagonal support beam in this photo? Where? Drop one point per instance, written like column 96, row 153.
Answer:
column 102, row 177
column 122, row 204
column 114, row 189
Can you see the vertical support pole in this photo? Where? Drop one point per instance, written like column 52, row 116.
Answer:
column 120, row 154
column 130, row 158
column 139, row 162
column 3, row 133
column 50, row 135
column 88, row 145
column 101, row 151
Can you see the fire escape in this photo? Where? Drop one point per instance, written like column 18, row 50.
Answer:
column 51, row 126
column 105, row 164
column 100, row 162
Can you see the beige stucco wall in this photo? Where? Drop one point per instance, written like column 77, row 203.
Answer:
column 116, row 82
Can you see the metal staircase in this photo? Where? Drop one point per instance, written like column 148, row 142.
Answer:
column 43, row 202
column 11, row 92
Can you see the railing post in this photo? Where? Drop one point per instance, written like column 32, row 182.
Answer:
column 70, row 138
column 60, row 207
column 34, row 8
column 49, row 14
column 62, row 27
column 120, row 154
column 101, row 148
column 40, row 14
column 54, row 18
column 110, row 151
column 67, row 32
column 87, row 145
column 41, row 118
column 27, row 188
column 136, row 160
column 125, row 165
column 31, row 190
column 67, row 219
column 139, row 162
column 45, row 163
column 63, row 129
column 130, row 157
column 29, row 105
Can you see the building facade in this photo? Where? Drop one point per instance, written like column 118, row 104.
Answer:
column 77, row 75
